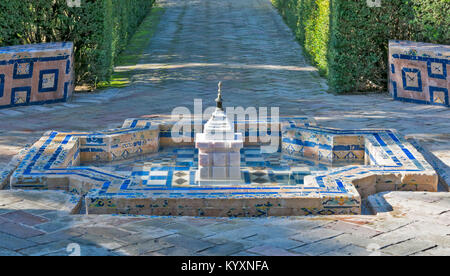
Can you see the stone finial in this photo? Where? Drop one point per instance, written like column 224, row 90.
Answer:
column 219, row 97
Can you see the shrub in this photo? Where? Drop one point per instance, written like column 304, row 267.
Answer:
column 348, row 41
column 309, row 20
column 316, row 28
column 99, row 29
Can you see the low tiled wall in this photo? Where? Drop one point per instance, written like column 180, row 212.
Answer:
column 36, row 74
column 324, row 145
column 249, row 130
column 418, row 72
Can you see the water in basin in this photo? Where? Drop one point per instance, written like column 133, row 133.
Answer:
column 176, row 167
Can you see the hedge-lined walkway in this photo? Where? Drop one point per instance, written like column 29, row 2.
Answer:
column 246, row 45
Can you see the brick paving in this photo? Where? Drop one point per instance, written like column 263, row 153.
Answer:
column 247, row 46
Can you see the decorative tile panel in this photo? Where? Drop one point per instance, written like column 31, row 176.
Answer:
column 45, row 69
column 418, row 72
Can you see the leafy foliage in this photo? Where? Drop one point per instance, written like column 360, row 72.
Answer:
column 100, row 29
column 309, row 19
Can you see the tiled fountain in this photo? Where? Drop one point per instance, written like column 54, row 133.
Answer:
column 140, row 169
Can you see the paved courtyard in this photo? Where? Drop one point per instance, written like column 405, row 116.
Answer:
column 246, row 45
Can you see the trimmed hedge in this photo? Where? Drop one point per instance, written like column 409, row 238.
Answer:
column 99, row 29
column 348, row 41
column 310, row 22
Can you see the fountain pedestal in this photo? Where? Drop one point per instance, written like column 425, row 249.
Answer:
column 219, row 157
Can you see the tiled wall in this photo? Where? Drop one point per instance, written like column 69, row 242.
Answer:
column 36, row 74
column 328, row 146
column 418, row 72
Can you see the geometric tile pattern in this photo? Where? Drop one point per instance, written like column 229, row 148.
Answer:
column 390, row 162
column 274, row 184
column 36, row 74
column 48, row 80
column 247, row 128
column 419, row 72
column 20, row 95
column 2, row 84
column 173, row 167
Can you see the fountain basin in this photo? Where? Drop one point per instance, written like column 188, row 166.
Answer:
column 347, row 165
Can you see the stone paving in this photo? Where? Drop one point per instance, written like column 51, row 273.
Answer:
column 41, row 225
column 246, row 45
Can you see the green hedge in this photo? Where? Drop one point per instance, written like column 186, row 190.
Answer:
column 310, row 22
column 348, row 40
column 99, row 29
